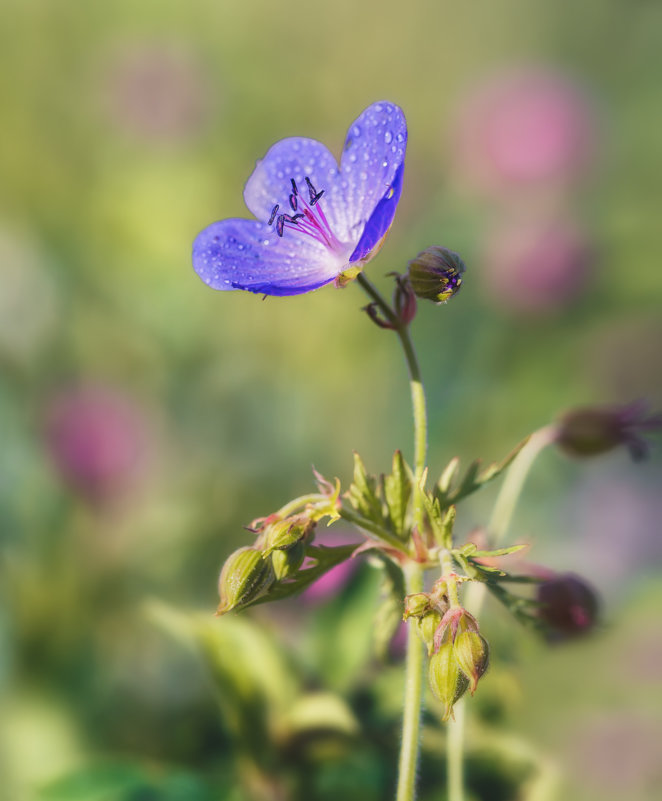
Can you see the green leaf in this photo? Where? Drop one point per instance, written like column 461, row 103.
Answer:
column 448, row 475
column 362, row 493
column 325, row 558
column 496, row 552
column 473, row 479
column 397, row 491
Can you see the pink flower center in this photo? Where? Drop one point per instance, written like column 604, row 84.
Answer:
column 307, row 217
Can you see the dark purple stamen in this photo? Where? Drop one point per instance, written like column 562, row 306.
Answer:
column 286, row 218
column 295, row 190
column 274, row 211
column 314, row 194
column 293, row 201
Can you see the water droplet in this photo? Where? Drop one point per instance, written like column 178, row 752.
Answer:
column 384, row 163
column 394, row 149
column 378, row 107
column 388, row 137
column 352, row 157
column 240, row 246
column 265, row 241
column 400, row 138
column 356, row 131
column 389, row 109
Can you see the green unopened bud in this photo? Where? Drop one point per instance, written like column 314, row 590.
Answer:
column 473, row 656
column 287, row 562
column 417, row 605
column 245, row 575
column 426, row 627
column 286, row 533
column 447, row 682
column 436, row 274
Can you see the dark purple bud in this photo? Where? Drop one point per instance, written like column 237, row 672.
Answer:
column 594, row 430
column 436, row 274
column 569, row 606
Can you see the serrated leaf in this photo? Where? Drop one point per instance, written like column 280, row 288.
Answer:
column 362, row 493
column 397, row 491
column 434, row 514
column 496, row 552
column 474, row 478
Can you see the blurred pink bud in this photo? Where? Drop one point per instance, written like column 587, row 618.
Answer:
column 568, row 606
column 535, row 266
column 97, row 440
column 523, row 128
column 158, row 91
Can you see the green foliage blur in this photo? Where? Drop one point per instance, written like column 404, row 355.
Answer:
column 125, row 128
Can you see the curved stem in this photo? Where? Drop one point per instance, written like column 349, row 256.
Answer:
column 413, row 696
column 502, row 514
column 416, row 385
column 506, row 501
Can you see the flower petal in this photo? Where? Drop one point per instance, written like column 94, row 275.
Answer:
column 371, row 169
column 297, row 158
column 247, row 254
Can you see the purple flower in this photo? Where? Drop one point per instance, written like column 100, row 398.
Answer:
column 316, row 221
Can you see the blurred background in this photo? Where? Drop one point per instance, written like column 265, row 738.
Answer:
column 144, row 419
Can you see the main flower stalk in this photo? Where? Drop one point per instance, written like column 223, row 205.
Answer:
column 409, row 747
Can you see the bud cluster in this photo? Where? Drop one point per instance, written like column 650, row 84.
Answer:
column 277, row 554
column 458, row 653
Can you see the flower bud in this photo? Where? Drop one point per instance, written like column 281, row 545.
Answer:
column 568, row 606
column 417, row 605
column 595, row 430
column 447, row 682
column 245, row 575
column 472, row 654
column 436, row 274
column 286, row 562
column 283, row 534
column 426, row 627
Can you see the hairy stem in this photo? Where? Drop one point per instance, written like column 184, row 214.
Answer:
column 413, row 571
column 411, row 716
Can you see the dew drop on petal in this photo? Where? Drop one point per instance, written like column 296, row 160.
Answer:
column 388, row 137
column 400, row 138
column 378, row 107
column 356, row 131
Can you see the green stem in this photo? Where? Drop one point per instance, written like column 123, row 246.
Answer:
column 411, row 719
column 373, row 528
column 411, row 716
column 416, row 385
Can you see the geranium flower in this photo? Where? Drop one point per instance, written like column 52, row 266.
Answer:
column 317, row 222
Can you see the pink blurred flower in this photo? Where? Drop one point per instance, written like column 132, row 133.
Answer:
column 158, row 91
column 535, row 266
column 97, row 440
column 522, row 128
